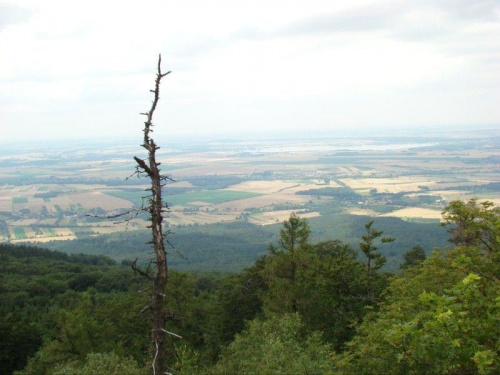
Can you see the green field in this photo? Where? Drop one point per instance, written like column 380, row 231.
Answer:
column 132, row 195
column 19, row 233
column 50, row 232
column 17, row 200
column 209, row 196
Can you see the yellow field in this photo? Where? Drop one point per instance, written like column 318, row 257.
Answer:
column 273, row 217
column 415, row 212
column 180, row 184
column 453, row 194
column 48, row 221
column 182, row 218
column 95, row 199
column 5, row 203
column 262, row 187
column 63, row 231
column 387, row 185
column 30, row 233
column 106, row 230
column 46, row 239
column 262, row 201
column 113, row 226
column 44, row 235
column 84, row 187
column 361, row 211
column 24, row 222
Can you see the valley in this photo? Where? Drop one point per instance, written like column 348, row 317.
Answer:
column 67, row 194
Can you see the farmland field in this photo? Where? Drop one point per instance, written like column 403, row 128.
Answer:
column 18, row 200
column 210, row 196
column 132, row 195
column 44, row 197
column 273, row 217
column 415, row 212
column 19, row 233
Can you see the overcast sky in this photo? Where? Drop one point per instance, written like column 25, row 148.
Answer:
column 83, row 68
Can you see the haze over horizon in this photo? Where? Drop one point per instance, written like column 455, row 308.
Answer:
column 84, row 68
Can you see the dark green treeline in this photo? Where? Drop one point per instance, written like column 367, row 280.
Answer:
column 302, row 308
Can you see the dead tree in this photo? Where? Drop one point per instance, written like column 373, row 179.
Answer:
column 156, row 207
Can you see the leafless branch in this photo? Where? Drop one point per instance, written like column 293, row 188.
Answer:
column 175, row 249
column 172, row 334
column 141, row 272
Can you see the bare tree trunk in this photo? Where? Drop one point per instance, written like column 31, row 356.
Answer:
column 155, row 207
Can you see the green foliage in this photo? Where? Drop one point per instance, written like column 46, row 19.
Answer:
column 441, row 317
column 282, row 265
column 473, row 223
column 95, row 324
column 39, row 288
column 238, row 299
column 187, row 361
column 334, row 292
column 276, row 346
column 369, row 248
column 103, row 363
column 225, row 247
column 77, row 314
column 325, row 283
column 426, row 328
column 413, row 257
column 230, row 247
column 19, row 338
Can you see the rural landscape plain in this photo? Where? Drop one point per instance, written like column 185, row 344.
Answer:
column 68, row 193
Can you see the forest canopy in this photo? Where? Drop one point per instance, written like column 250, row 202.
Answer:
column 303, row 307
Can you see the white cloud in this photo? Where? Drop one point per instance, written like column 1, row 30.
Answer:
column 78, row 67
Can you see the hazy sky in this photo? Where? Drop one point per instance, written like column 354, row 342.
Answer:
column 83, row 68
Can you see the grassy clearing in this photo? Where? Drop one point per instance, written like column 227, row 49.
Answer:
column 19, row 233
column 209, row 196
column 18, row 200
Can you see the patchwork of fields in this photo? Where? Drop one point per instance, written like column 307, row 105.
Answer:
column 48, row 198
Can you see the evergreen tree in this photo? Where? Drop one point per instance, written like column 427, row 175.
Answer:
column 374, row 260
column 282, row 265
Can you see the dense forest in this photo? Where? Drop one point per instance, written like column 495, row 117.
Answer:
column 230, row 247
column 305, row 306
